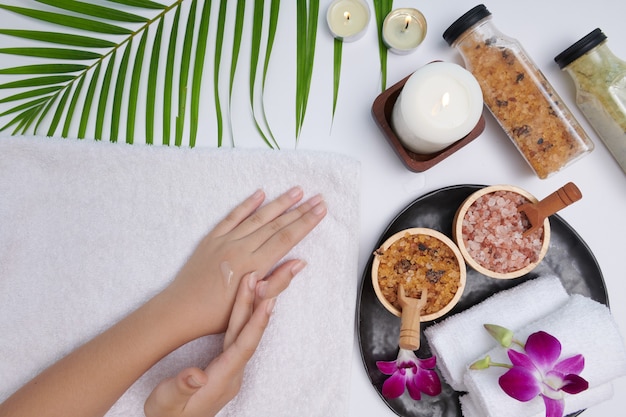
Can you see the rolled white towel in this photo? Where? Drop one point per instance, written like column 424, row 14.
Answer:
column 583, row 326
column 460, row 339
column 574, row 403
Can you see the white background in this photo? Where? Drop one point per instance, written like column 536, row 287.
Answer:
column 545, row 28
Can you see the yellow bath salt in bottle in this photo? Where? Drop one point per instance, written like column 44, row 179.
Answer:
column 600, row 80
column 516, row 92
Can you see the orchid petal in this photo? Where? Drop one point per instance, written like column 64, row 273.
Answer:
column 393, row 387
column 520, row 359
column 412, row 385
column 544, row 349
column 572, row 365
column 554, row 408
column 387, row 368
column 520, row 383
column 573, row 384
column 427, row 381
column 429, row 363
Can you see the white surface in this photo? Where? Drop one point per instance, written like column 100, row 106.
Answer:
column 544, row 27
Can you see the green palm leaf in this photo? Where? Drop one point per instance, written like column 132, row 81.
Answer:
column 306, row 21
column 44, row 69
column 55, row 53
column 257, row 33
column 31, row 93
column 198, row 71
column 70, row 21
column 146, row 4
column 184, row 72
column 152, row 83
column 59, row 38
column 72, row 107
column 381, row 9
column 95, row 10
column 92, row 75
column 338, row 50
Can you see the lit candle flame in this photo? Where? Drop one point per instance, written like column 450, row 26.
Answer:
column 346, row 15
column 443, row 103
column 407, row 21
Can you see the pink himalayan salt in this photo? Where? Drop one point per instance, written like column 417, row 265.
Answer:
column 492, row 233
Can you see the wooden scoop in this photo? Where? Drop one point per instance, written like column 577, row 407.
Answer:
column 561, row 198
column 410, row 321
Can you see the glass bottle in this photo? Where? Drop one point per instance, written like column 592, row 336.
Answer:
column 518, row 95
column 600, row 80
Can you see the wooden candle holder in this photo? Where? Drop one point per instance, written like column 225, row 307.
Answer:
column 381, row 112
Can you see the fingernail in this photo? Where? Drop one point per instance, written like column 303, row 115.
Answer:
column 257, row 194
column 315, row 200
column 191, row 381
column 270, row 306
column 262, row 289
column 252, row 280
column 297, row 267
column 319, row 209
column 295, row 192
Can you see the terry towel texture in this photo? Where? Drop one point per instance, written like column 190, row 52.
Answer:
column 513, row 308
column 88, row 231
column 582, row 326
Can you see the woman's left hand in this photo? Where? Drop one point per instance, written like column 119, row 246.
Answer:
column 201, row 393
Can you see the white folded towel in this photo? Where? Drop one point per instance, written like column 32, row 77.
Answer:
column 583, row 326
column 574, row 403
column 90, row 230
column 460, row 339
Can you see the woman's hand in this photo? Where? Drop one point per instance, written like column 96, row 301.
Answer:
column 202, row 393
column 251, row 239
column 249, row 242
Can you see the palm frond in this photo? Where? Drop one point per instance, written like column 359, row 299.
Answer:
column 306, row 22
column 381, row 9
column 262, row 126
column 101, row 65
column 338, row 52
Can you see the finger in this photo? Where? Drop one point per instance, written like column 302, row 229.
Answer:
column 278, row 280
column 277, row 246
column 268, row 213
column 234, row 359
column 239, row 213
column 242, row 308
column 261, row 235
column 171, row 395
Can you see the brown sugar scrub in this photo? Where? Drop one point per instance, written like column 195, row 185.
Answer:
column 518, row 95
column 419, row 259
column 489, row 230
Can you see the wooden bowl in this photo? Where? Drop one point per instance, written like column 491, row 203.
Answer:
column 439, row 239
column 457, row 232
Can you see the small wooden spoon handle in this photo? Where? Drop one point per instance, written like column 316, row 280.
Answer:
column 561, row 198
column 410, row 320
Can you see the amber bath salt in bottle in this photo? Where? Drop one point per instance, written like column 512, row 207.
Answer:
column 600, row 80
column 518, row 95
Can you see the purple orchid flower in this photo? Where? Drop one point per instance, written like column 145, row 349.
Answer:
column 539, row 372
column 410, row 372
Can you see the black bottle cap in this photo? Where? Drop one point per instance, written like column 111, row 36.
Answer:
column 464, row 22
column 587, row 43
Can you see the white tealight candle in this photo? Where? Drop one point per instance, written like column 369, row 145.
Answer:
column 439, row 104
column 348, row 19
column 404, row 30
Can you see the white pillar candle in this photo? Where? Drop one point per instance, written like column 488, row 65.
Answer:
column 348, row 19
column 439, row 104
column 404, row 30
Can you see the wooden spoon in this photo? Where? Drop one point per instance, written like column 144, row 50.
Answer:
column 410, row 321
column 561, row 198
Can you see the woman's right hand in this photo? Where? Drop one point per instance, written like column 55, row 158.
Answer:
column 251, row 239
